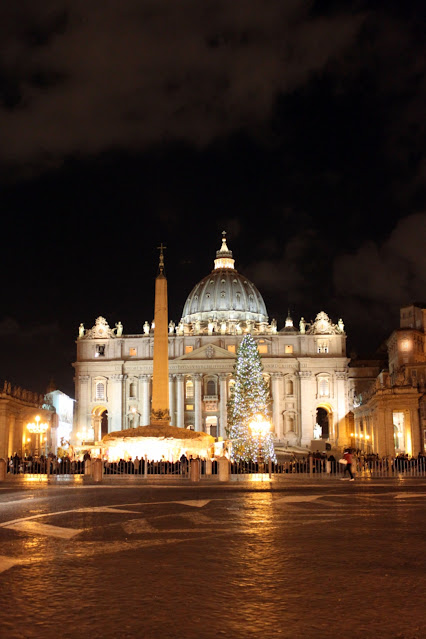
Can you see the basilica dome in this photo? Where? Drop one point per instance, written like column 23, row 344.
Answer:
column 224, row 297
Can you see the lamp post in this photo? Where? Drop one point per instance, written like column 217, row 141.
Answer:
column 38, row 428
column 259, row 425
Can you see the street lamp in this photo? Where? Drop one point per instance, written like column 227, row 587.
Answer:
column 38, row 428
column 259, row 426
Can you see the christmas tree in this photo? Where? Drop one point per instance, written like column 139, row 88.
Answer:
column 249, row 398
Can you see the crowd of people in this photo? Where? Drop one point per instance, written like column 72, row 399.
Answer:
column 315, row 462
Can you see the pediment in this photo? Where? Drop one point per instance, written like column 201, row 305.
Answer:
column 208, row 351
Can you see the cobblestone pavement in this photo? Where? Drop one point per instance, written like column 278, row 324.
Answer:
column 304, row 559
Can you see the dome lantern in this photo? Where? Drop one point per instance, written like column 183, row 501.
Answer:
column 224, row 255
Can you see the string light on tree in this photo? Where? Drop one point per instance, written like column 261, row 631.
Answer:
column 250, row 399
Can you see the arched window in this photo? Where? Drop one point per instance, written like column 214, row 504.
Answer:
column 100, row 390
column 189, row 389
column 132, row 389
column 211, row 387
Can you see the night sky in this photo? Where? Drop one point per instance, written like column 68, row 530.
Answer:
column 297, row 127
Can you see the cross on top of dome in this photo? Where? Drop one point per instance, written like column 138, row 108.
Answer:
column 224, row 255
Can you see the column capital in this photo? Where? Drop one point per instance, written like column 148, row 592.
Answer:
column 197, row 376
column 305, row 374
column 179, row 377
column 118, row 378
column 171, row 377
column 84, row 378
column 223, row 377
column 341, row 374
column 276, row 376
column 145, row 377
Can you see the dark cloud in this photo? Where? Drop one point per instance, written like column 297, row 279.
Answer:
column 83, row 77
column 393, row 272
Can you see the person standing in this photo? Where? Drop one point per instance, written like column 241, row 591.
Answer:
column 348, row 456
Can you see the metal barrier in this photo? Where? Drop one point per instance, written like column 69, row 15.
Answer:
column 307, row 467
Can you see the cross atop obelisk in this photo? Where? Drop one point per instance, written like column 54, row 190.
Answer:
column 161, row 248
column 160, row 376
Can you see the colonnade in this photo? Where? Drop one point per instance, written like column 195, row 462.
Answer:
column 178, row 401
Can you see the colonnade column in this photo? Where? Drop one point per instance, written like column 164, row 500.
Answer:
column 306, row 414
column 223, row 416
column 197, row 401
column 83, row 419
column 172, row 409
column 116, row 417
column 180, row 420
column 340, row 420
column 416, row 435
column 276, row 383
column 146, row 400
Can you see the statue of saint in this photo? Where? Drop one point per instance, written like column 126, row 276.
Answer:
column 81, row 330
column 119, row 328
column 302, row 325
column 146, row 328
column 317, row 431
column 341, row 325
column 274, row 326
column 171, row 327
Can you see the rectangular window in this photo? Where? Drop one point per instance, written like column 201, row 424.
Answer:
column 100, row 350
column 289, row 348
column 132, row 352
column 262, row 348
column 231, row 348
column 322, row 347
column 189, row 407
column 189, row 349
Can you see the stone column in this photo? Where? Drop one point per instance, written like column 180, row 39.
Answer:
column 340, row 437
column 197, row 401
column 172, row 400
column 416, row 435
column 306, row 402
column 180, row 419
column 276, row 384
column 223, row 415
column 18, row 435
column 83, row 419
column 115, row 399
column 10, row 437
column 146, row 399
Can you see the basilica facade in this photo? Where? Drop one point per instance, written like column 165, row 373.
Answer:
column 305, row 365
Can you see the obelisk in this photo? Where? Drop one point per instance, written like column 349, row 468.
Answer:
column 160, row 378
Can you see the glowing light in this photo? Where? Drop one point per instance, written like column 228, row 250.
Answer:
column 259, row 425
column 37, row 427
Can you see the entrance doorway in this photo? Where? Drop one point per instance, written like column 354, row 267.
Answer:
column 211, row 426
column 99, row 422
column 322, row 420
column 104, row 423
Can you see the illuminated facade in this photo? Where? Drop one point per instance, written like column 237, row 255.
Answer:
column 18, row 409
column 306, row 367
column 391, row 415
